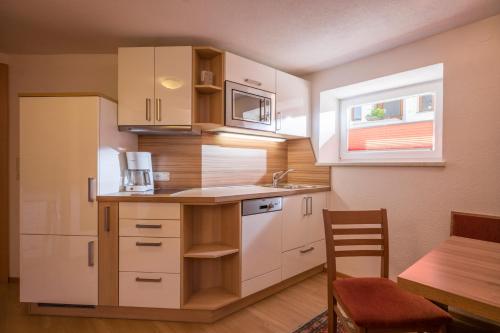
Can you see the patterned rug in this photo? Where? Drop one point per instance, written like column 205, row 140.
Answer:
column 318, row 324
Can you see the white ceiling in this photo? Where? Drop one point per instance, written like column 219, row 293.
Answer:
column 299, row 36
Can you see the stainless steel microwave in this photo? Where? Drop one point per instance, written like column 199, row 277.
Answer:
column 251, row 108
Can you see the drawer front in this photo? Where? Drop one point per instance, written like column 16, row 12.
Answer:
column 150, row 210
column 152, row 290
column 250, row 73
column 261, row 282
column 150, row 228
column 141, row 254
column 300, row 260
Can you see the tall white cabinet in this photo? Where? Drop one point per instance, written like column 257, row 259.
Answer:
column 67, row 144
column 154, row 86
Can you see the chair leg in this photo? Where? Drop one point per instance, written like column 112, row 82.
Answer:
column 332, row 320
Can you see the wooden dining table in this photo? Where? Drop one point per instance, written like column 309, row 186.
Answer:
column 460, row 272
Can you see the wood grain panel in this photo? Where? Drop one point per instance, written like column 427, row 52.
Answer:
column 301, row 158
column 108, row 254
column 179, row 155
column 4, row 173
column 214, row 160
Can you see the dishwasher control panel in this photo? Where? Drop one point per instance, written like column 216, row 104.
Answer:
column 260, row 206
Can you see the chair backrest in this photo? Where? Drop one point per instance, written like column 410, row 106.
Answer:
column 477, row 226
column 347, row 229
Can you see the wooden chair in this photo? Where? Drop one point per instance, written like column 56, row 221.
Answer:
column 476, row 226
column 371, row 304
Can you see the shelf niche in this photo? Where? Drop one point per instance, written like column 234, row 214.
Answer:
column 208, row 100
column 211, row 264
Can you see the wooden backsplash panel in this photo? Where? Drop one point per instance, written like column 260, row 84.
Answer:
column 214, row 160
column 179, row 155
column 301, row 158
column 232, row 161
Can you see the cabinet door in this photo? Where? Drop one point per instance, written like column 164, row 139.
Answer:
column 173, row 77
column 295, row 226
column 136, row 85
column 293, row 111
column 59, row 144
column 58, row 269
column 250, row 73
column 316, row 229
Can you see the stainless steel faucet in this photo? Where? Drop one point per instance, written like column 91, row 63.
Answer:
column 277, row 176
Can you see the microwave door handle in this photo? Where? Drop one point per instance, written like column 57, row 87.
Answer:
column 261, row 109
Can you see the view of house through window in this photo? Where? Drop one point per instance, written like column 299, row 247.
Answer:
column 406, row 122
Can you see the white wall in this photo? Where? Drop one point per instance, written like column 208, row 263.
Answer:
column 419, row 199
column 50, row 73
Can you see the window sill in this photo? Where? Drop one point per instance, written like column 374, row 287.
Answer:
column 386, row 164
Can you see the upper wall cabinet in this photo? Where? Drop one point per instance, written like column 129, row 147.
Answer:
column 250, row 73
column 293, row 105
column 154, row 85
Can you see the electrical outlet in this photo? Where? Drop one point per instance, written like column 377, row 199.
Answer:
column 161, row 176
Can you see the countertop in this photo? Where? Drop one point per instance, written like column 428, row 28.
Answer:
column 211, row 194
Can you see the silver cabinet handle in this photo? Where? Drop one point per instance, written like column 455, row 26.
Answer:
column 139, row 279
column 147, row 243
column 304, row 206
column 310, row 205
column 278, row 121
column 158, row 109
column 148, row 226
column 256, row 83
column 91, row 189
column 148, row 109
column 106, row 219
column 307, row 250
column 90, row 254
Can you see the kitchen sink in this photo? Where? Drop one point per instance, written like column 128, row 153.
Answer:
column 292, row 186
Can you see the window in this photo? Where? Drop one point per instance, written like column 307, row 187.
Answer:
column 396, row 124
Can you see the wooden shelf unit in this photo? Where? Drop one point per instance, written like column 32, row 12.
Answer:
column 210, row 251
column 211, row 273
column 208, row 100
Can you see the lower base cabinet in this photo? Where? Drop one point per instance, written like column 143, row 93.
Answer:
column 151, row 290
column 261, row 282
column 303, row 258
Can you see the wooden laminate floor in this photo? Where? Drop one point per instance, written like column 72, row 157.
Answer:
column 282, row 312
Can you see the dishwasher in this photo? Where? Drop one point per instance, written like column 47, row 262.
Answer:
column 261, row 239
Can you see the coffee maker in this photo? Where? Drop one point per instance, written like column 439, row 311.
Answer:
column 139, row 177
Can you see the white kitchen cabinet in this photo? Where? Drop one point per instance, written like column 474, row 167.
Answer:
column 303, row 258
column 151, row 290
column 136, row 85
column 302, row 219
column 250, row 73
column 293, row 105
column 154, row 86
column 173, row 76
column 58, row 269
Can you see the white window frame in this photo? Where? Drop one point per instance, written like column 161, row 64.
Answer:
column 417, row 155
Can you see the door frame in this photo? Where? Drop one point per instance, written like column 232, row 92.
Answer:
column 4, row 172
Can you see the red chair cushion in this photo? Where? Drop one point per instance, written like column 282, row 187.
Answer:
column 380, row 303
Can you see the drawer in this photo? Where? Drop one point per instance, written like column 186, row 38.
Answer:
column 300, row 260
column 138, row 254
column 152, row 290
column 261, row 282
column 250, row 73
column 150, row 228
column 150, row 210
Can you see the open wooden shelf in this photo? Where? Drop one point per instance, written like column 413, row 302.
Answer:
column 210, row 299
column 208, row 100
column 207, row 88
column 211, row 270
column 214, row 250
